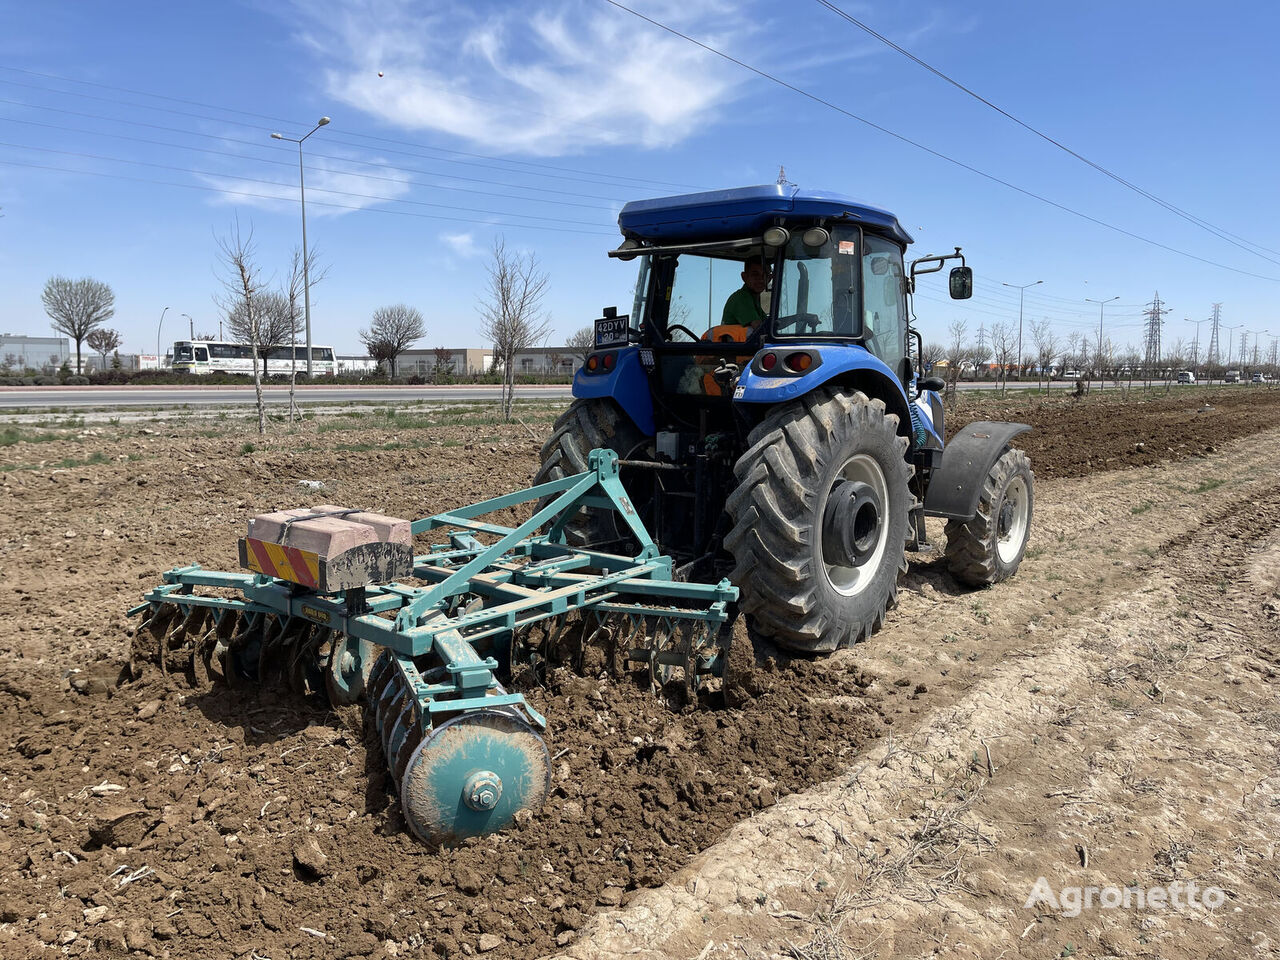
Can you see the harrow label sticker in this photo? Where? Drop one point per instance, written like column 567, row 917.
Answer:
column 318, row 615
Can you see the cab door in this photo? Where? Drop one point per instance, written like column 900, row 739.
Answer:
column 884, row 304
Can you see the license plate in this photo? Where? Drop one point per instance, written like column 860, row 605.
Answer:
column 611, row 331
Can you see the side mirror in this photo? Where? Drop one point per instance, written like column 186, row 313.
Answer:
column 936, row 384
column 961, row 283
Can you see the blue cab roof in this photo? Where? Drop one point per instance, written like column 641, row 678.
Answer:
column 746, row 211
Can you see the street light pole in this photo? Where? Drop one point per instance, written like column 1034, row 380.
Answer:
column 1021, row 290
column 1102, row 304
column 192, row 325
column 1231, row 332
column 158, row 329
column 1195, row 350
column 306, row 278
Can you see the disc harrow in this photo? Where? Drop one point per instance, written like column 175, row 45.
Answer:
column 320, row 606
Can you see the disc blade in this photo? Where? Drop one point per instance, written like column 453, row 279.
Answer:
column 487, row 746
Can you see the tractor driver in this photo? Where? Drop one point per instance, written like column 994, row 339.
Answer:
column 743, row 306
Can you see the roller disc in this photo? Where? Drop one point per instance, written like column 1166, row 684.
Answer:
column 349, row 670
column 471, row 775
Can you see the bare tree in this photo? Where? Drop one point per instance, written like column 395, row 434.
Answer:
column 77, row 307
column 1046, row 342
column 955, row 356
column 102, row 341
column 511, row 314
column 1004, row 343
column 581, row 342
column 443, row 366
column 242, row 291
column 276, row 328
column 931, row 354
column 302, row 278
column 393, row 331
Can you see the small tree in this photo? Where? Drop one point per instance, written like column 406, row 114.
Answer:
column 581, row 343
column 1004, row 344
column 393, row 331
column 511, row 314
column 443, row 365
column 1046, row 348
column 955, row 356
column 274, row 325
column 241, row 293
column 931, row 354
column 77, row 307
column 103, row 341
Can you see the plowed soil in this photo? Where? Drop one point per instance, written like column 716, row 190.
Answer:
column 158, row 818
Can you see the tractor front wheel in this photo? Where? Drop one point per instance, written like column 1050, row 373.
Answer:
column 820, row 521
column 989, row 548
column 586, row 425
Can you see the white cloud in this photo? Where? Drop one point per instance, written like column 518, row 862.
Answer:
column 330, row 192
column 544, row 78
column 463, row 244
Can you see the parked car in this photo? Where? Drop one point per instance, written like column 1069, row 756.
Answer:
column 1259, row 378
column 1186, row 376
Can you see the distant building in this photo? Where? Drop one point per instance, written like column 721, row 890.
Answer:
column 351, row 365
column 45, row 354
column 473, row 360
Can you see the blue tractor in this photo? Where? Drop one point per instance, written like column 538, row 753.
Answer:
column 765, row 400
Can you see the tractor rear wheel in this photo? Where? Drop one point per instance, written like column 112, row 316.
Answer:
column 989, row 548
column 820, row 521
column 586, row 425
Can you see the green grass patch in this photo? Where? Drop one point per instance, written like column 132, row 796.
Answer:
column 10, row 435
column 1140, row 508
column 1213, row 483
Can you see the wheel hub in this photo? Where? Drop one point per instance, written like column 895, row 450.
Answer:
column 851, row 524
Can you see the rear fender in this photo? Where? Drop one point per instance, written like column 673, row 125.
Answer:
column 845, row 366
column 956, row 486
column 627, row 384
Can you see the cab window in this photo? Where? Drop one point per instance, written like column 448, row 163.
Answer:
column 817, row 288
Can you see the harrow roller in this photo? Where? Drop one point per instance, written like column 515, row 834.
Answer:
column 320, row 608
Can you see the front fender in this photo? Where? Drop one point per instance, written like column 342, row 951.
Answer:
column 837, row 361
column 627, row 384
column 956, row 486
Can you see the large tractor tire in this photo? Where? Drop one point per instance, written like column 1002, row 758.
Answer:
column 586, row 425
column 820, row 521
column 989, row 548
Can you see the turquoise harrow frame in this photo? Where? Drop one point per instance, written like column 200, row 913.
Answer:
column 465, row 754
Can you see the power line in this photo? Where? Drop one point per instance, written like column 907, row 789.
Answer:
column 316, row 155
column 293, row 123
column 1219, row 232
column 920, row 146
column 289, row 186
column 266, row 196
column 259, row 145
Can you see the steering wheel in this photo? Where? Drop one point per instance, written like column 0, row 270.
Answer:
column 683, row 329
column 803, row 322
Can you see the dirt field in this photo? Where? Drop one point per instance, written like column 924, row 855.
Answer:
column 1109, row 717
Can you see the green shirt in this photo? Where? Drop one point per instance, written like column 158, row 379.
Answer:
column 743, row 309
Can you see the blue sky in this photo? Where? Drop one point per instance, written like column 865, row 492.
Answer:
column 132, row 135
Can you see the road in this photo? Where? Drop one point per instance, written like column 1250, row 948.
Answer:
column 166, row 397
column 169, row 396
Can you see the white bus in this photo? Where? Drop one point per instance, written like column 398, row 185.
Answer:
column 221, row 356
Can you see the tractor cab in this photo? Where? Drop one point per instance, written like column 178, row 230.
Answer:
column 708, row 334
